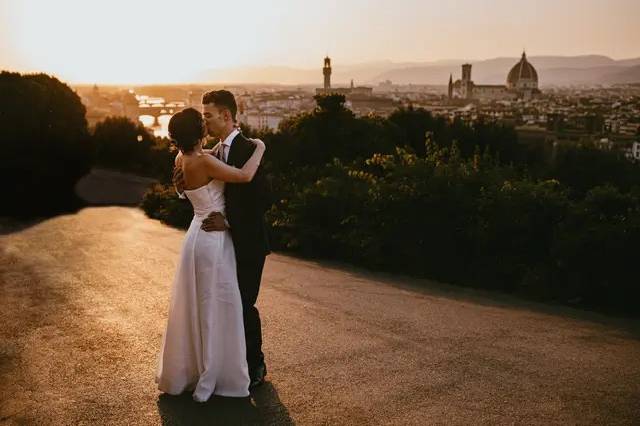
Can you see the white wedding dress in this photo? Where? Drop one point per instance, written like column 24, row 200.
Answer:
column 203, row 346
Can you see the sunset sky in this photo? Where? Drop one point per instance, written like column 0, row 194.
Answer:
column 140, row 41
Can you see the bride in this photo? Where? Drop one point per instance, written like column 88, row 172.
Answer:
column 203, row 346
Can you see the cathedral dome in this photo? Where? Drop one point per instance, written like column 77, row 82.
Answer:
column 522, row 72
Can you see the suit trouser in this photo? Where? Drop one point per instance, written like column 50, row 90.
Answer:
column 249, row 275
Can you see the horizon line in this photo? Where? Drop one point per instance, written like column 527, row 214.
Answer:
column 337, row 65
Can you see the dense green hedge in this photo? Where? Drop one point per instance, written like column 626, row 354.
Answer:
column 161, row 202
column 459, row 222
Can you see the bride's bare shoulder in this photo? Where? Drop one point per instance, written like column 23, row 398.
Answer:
column 178, row 160
column 209, row 159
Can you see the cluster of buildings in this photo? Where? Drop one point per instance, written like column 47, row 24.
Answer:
column 522, row 83
column 360, row 91
column 609, row 116
column 152, row 111
column 360, row 99
column 105, row 102
column 265, row 109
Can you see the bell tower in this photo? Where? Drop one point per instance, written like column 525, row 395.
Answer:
column 466, row 72
column 326, row 70
column 467, row 83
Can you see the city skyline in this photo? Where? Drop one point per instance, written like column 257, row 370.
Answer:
column 153, row 42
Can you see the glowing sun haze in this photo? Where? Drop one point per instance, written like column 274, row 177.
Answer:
column 132, row 41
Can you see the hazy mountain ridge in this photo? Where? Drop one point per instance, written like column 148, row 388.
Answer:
column 627, row 75
column 552, row 70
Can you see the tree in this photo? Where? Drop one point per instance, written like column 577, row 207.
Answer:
column 330, row 131
column 330, row 103
column 408, row 127
column 45, row 143
column 582, row 167
column 124, row 145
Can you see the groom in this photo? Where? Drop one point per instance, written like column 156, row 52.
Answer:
column 246, row 204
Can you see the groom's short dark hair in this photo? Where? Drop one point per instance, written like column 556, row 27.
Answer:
column 221, row 98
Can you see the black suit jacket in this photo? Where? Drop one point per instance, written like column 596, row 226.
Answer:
column 246, row 204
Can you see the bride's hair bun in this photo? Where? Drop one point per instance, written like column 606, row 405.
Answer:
column 186, row 128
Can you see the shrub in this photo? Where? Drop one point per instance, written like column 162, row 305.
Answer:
column 161, row 202
column 122, row 144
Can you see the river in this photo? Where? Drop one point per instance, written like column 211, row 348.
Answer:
column 159, row 128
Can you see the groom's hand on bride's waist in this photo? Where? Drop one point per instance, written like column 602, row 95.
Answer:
column 214, row 222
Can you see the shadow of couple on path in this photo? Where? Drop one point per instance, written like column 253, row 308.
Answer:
column 262, row 407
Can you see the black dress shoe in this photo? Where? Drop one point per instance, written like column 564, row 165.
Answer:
column 257, row 378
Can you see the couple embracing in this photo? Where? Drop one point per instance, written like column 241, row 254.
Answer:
column 213, row 339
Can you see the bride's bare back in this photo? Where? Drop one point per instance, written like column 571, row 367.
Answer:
column 199, row 167
column 193, row 170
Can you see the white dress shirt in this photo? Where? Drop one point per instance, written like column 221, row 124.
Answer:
column 226, row 143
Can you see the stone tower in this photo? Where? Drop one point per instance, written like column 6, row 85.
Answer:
column 466, row 72
column 467, row 83
column 326, row 70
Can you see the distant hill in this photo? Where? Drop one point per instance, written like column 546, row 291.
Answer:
column 552, row 70
column 629, row 62
column 360, row 73
column 627, row 75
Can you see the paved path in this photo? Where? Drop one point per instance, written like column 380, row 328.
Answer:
column 111, row 187
column 83, row 302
